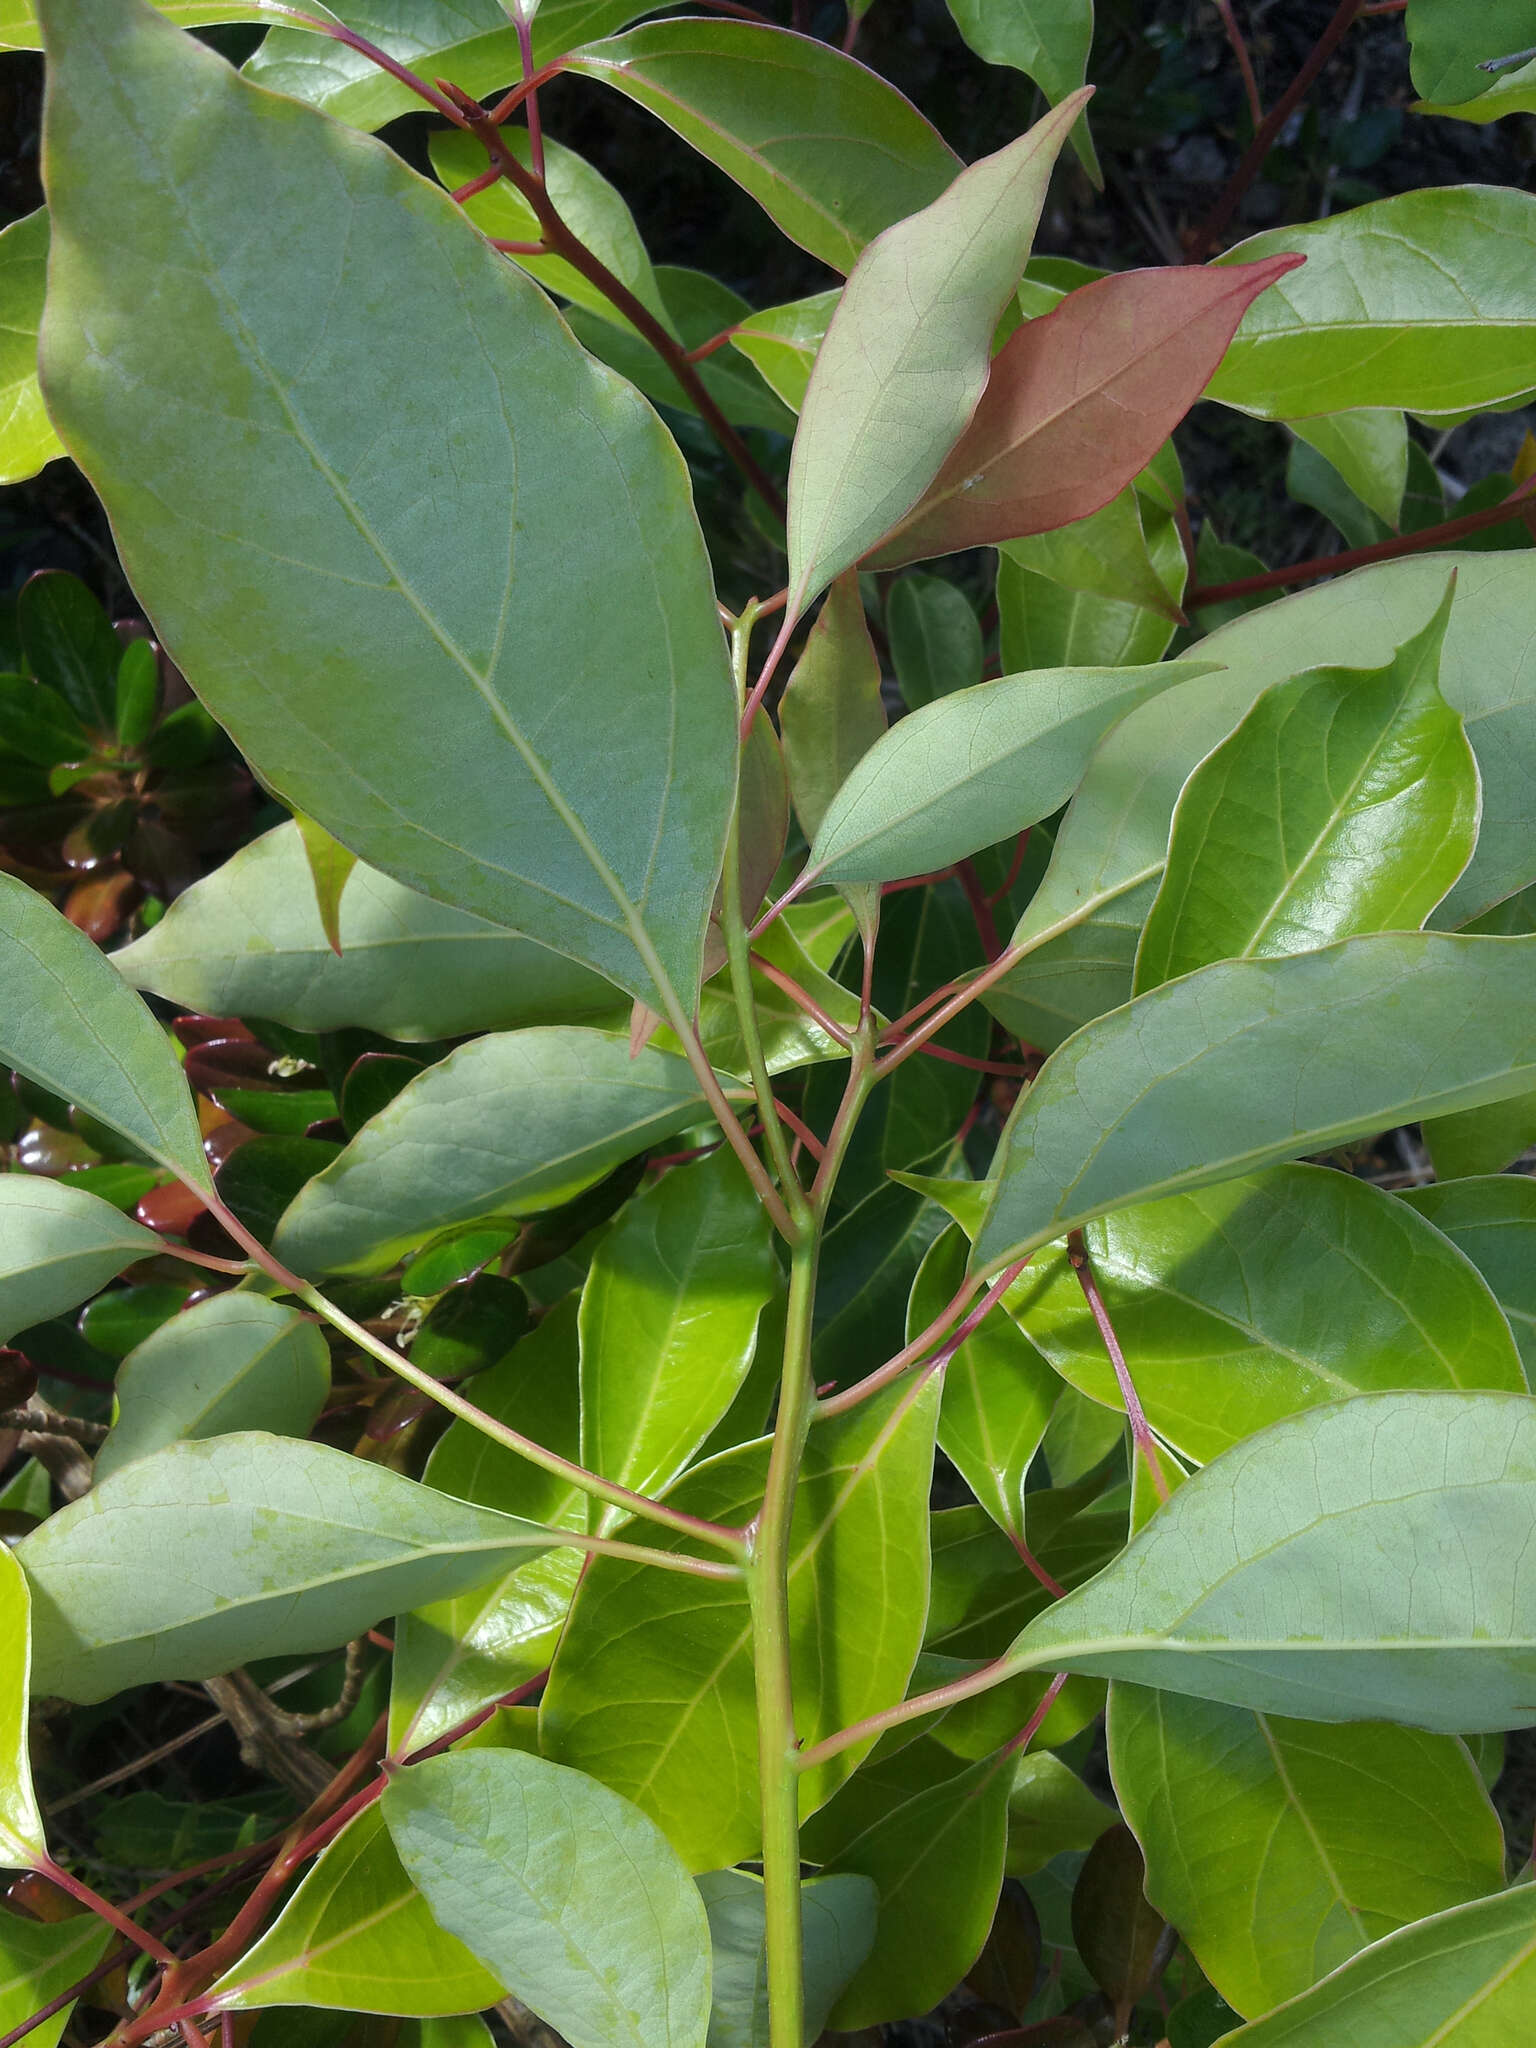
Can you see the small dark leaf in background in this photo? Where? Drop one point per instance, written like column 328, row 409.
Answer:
column 1121, row 1939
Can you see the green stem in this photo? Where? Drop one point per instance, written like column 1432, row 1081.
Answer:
column 768, row 1586
column 739, row 955
column 639, row 1504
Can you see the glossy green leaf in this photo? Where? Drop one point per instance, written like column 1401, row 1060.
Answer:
column 1346, row 801
column 471, row 40
column 1043, row 624
column 458, row 1655
column 357, row 1936
column 72, row 1026
column 832, row 153
column 1449, row 45
column 669, row 1320
column 1247, row 1302
column 19, row 29
column 673, row 1726
column 1050, row 1812
column 22, row 1841
column 508, row 1125
column 781, row 343
column 137, row 696
column 206, row 1555
column 831, row 714
column 359, row 649
column 1411, row 301
column 247, row 941
column 1280, row 1848
column 585, row 201
column 39, row 1959
column 1369, row 449
column 1492, row 1219
column 906, row 356
column 37, row 724
column 935, row 638
column 837, row 1917
column 871, row 1255
column 938, row 1862
column 69, row 644
column 58, row 1245
column 998, row 1390
column 1048, row 40
column 976, row 767
column 791, row 1038
column 1513, row 92
column 1364, row 1561
column 1249, row 1062
column 1464, row 1979
column 232, row 1362
column 27, row 440
column 569, row 1894
column 1487, row 673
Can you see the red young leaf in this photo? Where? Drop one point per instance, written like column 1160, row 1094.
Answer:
column 1078, row 403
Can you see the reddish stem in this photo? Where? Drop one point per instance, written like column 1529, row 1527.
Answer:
column 1515, row 506
column 916, row 1352
column 1239, row 44
column 104, row 1909
column 506, row 107
column 1207, row 236
column 802, row 1131
column 340, row 33
column 1033, row 1725
column 916, row 881
column 1032, row 1564
column 760, row 691
column 1141, row 1429
column 1005, row 1070
column 1016, row 868
column 531, row 95
column 800, row 998
column 981, row 908
column 708, row 348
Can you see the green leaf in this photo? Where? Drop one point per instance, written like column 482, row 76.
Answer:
column 1448, row 45
column 1487, row 673
column 58, row 1246
column 353, row 612
column 976, row 767
column 247, row 941
column 330, row 864
column 72, row 1026
column 19, row 29
column 37, row 724
column 1513, row 92
column 1411, row 301
column 472, row 40
column 1050, row 1812
column 458, row 1655
column 1369, row 449
column 697, row 308
column 1465, row 1977
column 357, row 1936
column 935, row 638
column 1048, row 40
column 70, row 645
column 1363, row 1561
column 508, row 1125
column 232, row 1362
column 27, row 440
column 832, row 153
column 781, row 343
column 837, row 1916
column 585, row 201
column 1492, row 1220
column 1478, row 1141
column 790, row 1037
column 832, row 714
column 1347, row 801
column 871, row 1255
column 22, row 1840
column 669, row 1320
column 1205, row 1294
column 1249, row 1062
column 1047, row 625
column 998, row 1391
column 672, row 1724
column 1105, row 553
column 907, row 354
column 569, row 1894
column 938, row 1862
column 136, row 696
column 40, row 1959
column 207, row 1555
column 1280, row 1848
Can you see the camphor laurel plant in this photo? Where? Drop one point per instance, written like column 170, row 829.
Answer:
column 693, row 990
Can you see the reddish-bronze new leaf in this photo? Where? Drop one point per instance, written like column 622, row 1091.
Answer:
column 1078, row 402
